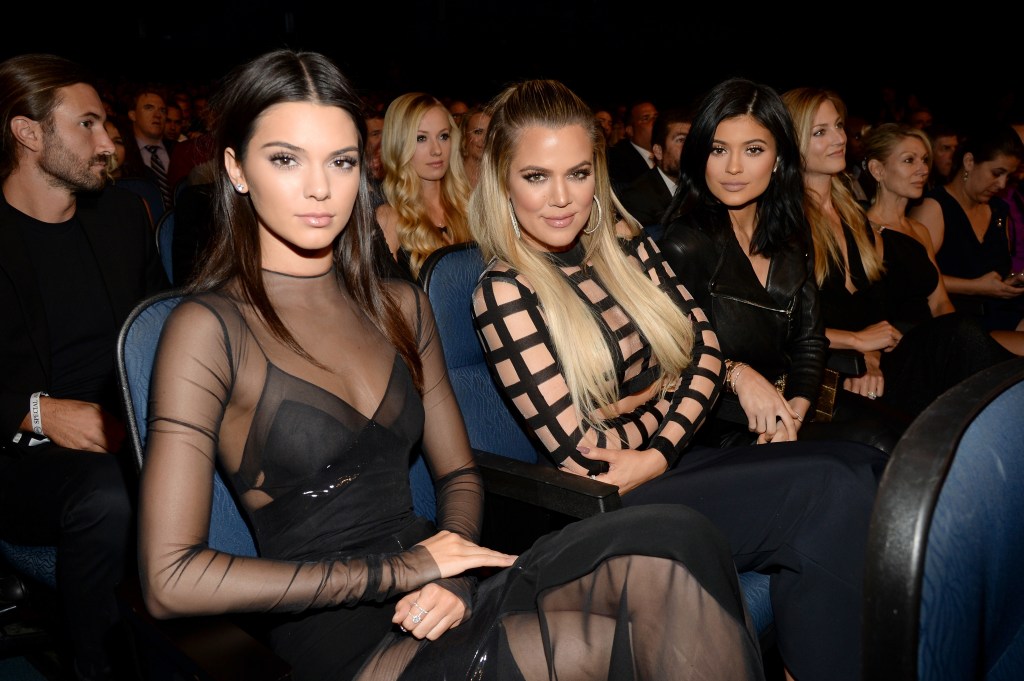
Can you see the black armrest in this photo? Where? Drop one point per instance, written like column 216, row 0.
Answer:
column 211, row 648
column 846, row 362
column 546, row 487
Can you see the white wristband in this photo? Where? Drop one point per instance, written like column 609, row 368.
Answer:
column 35, row 414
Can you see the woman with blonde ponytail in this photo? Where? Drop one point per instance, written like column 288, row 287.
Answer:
column 612, row 368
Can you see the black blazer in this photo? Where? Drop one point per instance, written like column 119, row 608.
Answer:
column 647, row 197
column 625, row 164
column 134, row 165
column 116, row 226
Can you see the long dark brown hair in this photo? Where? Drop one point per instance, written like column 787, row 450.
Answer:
column 234, row 250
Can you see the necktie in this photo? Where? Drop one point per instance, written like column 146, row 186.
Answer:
column 157, row 166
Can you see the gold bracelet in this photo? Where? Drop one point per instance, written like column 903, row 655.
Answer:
column 737, row 369
column 727, row 384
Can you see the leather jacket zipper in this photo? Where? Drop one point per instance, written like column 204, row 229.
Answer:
column 788, row 313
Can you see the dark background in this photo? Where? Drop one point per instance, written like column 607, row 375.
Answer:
column 609, row 52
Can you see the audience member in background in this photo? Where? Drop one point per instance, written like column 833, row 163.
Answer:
column 647, row 197
column 739, row 240
column 296, row 367
column 631, row 157
column 201, row 116
column 146, row 154
column 1013, row 195
column 474, row 133
column 184, row 102
column 943, row 143
column 424, row 181
column 604, row 124
column 375, row 132
column 618, row 132
column 967, row 225
column 458, row 110
column 935, row 347
column 76, row 257
column 612, row 368
column 920, row 117
column 173, row 123
column 192, row 160
column 861, row 184
column 835, row 217
column 115, row 161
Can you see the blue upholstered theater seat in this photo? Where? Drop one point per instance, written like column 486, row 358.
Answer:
column 943, row 599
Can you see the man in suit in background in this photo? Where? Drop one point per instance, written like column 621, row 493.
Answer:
column 75, row 258
column 630, row 157
column 146, row 153
column 647, row 197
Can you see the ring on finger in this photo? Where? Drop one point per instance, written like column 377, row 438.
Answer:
column 418, row 617
column 872, row 395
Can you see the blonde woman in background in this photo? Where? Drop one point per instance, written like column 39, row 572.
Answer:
column 424, row 182
column 880, row 290
column 474, row 132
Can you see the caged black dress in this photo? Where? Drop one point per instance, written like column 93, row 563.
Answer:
column 798, row 511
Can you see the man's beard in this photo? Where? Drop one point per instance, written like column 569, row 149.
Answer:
column 68, row 171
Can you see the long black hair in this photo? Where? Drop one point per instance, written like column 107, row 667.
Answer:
column 780, row 214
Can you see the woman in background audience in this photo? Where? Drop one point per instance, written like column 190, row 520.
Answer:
column 474, row 132
column 424, row 181
column 967, row 224
column 898, row 315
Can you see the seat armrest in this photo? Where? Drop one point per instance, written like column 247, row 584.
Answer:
column 846, row 362
column 546, row 487
column 207, row 648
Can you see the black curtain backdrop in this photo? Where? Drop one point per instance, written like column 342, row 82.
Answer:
column 609, row 52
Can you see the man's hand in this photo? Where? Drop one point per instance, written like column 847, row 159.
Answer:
column 75, row 424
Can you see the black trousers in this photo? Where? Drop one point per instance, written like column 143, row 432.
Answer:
column 798, row 511
column 77, row 501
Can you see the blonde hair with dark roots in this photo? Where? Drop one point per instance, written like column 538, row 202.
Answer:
column 416, row 232
column 803, row 103
column 575, row 329
column 881, row 141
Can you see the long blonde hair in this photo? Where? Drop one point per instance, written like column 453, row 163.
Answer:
column 575, row 329
column 416, row 232
column 803, row 104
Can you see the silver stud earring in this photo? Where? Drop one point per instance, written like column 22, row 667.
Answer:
column 515, row 223
column 966, row 175
column 600, row 217
column 240, row 187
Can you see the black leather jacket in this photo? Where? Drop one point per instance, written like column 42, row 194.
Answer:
column 776, row 329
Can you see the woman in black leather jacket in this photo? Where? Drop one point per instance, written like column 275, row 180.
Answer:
column 738, row 240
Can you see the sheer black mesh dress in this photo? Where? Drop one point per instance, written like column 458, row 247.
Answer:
column 318, row 452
